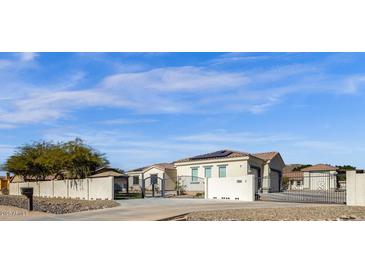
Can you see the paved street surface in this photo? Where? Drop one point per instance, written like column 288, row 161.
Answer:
column 156, row 209
column 11, row 213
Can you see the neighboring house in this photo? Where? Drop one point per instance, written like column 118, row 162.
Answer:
column 294, row 180
column 293, row 177
column 320, row 177
column 153, row 175
column 194, row 171
column 120, row 179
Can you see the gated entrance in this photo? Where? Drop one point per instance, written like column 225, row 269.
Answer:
column 153, row 186
column 322, row 188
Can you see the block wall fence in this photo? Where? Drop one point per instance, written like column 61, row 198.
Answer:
column 88, row 189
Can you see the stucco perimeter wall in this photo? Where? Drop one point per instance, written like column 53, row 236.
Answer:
column 101, row 188
column 355, row 188
column 88, row 189
column 13, row 189
column 231, row 188
column 170, row 177
column 46, row 189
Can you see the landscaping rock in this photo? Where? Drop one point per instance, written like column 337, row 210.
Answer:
column 313, row 213
column 56, row 205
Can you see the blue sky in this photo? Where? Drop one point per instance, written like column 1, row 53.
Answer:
column 143, row 108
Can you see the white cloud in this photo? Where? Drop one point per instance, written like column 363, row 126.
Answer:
column 354, row 83
column 236, row 137
column 185, row 89
column 176, row 79
column 124, row 121
column 44, row 106
column 27, row 56
column 128, row 149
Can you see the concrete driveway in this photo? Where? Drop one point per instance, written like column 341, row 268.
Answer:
column 158, row 208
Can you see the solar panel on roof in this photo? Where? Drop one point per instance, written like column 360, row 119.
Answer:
column 220, row 153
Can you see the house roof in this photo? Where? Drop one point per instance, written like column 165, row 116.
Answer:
column 220, row 154
column 162, row 166
column 108, row 173
column 294, row 175
column 320, row 167
column 267, row 156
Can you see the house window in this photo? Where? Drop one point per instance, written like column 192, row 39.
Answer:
column 299, row 183
column 208, row 172
column 194, row 174
column 135, row 180
column 222, row 171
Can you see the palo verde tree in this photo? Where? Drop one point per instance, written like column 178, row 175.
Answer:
column 82, row 159
column 41, row 160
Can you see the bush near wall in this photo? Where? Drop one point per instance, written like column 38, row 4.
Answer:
column 56, row 205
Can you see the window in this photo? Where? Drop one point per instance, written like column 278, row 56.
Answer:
column 208, row 172
column 135, row 180
column 222, row 171
column 194, row 174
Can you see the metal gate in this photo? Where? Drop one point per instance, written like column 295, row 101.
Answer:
column 153, row 186
column 320, row 188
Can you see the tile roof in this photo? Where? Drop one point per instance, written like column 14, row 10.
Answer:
column 267, row 156
column 220, row 154
column 159, row 165
column 108, row 173
column 320, row 167
column 294, row 175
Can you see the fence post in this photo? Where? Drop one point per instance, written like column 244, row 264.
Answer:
column 163, row 185
column 143, row 185
column 127, row 185
column 252, row 181
column 206, row 188
column 112, row 188
column 351, row 198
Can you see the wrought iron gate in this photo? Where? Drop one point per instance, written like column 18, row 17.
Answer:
column 321, row 188
column 154, row 186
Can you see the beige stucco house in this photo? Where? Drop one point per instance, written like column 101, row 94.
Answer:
column 320, row 177
column 272, row 171
column 192, row 172
column 153, row 174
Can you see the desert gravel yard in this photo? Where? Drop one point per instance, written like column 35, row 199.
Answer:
column 315, row 213
column 56, row 205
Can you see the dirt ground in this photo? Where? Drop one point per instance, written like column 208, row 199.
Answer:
column 11, row 213
column 317, row 213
